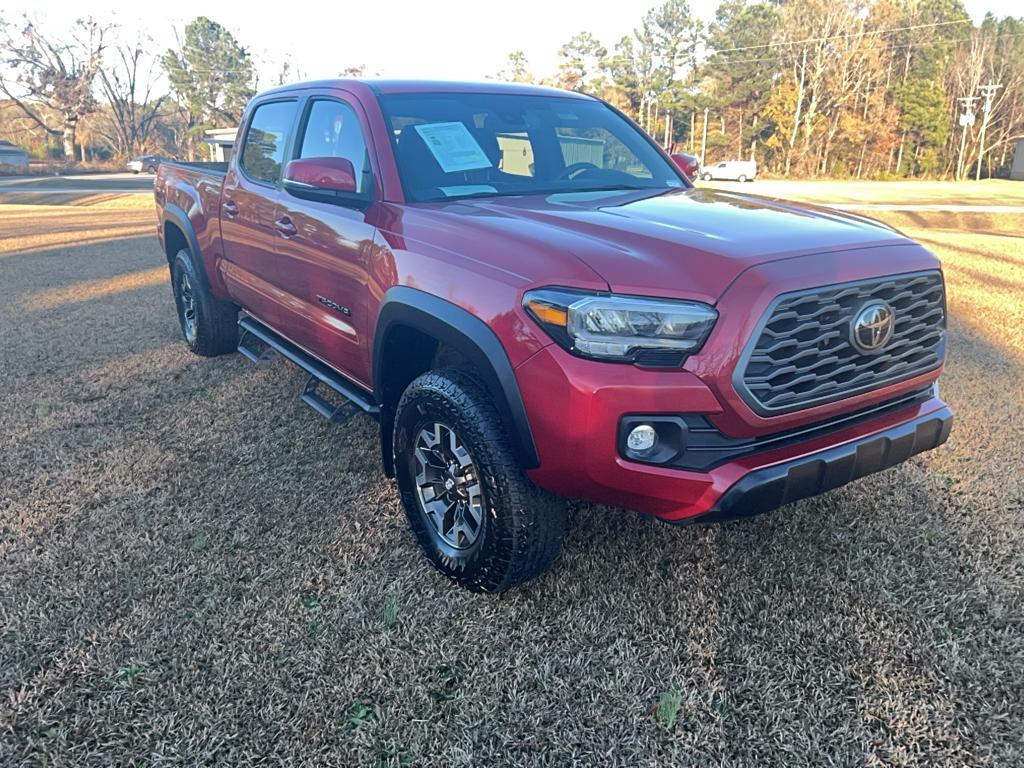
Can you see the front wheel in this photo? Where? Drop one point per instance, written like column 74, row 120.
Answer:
column 476, row 516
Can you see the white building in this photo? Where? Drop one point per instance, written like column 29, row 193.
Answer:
column 222, row 142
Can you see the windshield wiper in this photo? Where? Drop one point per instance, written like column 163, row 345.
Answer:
column 555, row 191
column 616, row 188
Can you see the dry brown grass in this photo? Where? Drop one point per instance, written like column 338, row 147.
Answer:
column 194, row 568
column 987, row 192
column 95, row 200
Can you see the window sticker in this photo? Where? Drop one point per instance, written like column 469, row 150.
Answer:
column 453, row 146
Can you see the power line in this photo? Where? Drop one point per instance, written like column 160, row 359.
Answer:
column 890, row 47
column 844, row 35
column 988, row 91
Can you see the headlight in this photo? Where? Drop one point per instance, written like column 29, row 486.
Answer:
column 620, row 328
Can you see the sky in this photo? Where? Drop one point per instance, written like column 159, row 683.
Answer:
column 453, row 39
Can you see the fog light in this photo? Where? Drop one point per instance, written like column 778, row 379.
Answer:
column 642, row 439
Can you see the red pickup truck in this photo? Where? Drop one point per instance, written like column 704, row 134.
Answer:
column 535, row 303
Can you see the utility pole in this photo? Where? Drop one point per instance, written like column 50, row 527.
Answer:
column 704, row 140
column 989, row 91
column 966, row 121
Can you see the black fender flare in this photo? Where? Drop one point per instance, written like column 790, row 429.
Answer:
column 458, row 329
column 175, row 215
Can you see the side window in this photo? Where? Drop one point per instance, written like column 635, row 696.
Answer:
column 333, row 130
column 263, row 152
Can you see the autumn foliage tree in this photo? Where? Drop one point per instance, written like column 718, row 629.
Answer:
column 52, row 81
column 863, row 88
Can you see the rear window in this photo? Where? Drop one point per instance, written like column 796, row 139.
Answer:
column 263, row 151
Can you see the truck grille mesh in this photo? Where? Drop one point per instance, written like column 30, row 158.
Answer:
column 803, row 355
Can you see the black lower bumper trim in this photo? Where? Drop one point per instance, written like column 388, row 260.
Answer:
column 772, row 487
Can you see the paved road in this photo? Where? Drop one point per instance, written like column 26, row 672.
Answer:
column 105, row 183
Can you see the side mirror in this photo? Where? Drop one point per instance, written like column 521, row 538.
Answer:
column 321, row 174
column 688, row 164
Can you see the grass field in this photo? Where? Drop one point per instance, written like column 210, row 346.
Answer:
column 981, row 193
column 194, row 568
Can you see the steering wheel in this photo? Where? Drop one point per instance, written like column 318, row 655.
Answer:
column 571, row 171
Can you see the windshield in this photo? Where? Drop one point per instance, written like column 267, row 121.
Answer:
column 455, row 145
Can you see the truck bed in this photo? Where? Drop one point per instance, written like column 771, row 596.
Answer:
column 219, row 169
column 189, row 194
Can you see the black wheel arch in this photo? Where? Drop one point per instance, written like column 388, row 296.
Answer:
column 456, row 329
column 179, row 233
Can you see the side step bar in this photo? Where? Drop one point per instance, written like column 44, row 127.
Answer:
column 261, row 345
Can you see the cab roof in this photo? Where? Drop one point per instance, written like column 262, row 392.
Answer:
column 389, row 86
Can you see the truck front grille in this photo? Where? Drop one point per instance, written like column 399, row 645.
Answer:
column 802, row 354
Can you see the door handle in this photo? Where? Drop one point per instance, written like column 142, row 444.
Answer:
column 285, row 227
column 230, row 208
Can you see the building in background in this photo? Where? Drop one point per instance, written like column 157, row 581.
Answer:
column 12, row 158
column 222, row 143
column 1017, row 169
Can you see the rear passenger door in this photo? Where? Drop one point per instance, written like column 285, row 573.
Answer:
column 249, row 209
column 326, row 251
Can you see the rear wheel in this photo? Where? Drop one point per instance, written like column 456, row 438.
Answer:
column 706, row 177
column 476, row 516
column 209, row 325
column 741, row 178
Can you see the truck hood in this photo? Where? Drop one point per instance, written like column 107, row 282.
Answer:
column 689, row 243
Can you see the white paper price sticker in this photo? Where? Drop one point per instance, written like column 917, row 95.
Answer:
column 453, row 146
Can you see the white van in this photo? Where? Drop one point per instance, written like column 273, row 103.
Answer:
column 730, row 170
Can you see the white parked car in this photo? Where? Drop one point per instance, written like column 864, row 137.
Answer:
column 147, row 163
column 730, row 170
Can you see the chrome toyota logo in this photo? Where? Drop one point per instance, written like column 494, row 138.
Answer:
column 872, row 327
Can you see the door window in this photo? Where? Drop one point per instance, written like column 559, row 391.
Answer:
column 265, row 141
column 333, row 130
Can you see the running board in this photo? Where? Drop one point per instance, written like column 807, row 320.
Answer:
column 261, row 345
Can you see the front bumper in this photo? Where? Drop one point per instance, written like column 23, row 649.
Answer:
column 771, row 487
column 575, row 407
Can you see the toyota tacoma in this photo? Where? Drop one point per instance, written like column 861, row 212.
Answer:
column 535, row 303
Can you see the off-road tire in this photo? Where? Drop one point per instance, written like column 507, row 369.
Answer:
column 216, row 321
column 522, row 525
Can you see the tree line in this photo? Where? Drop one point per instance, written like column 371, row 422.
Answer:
column 94, row 94
column 846, row 88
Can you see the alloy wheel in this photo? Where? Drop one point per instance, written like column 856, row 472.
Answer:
column 448, row 486
column 189, row 321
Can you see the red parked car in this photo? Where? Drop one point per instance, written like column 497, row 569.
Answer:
column 535, row 303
